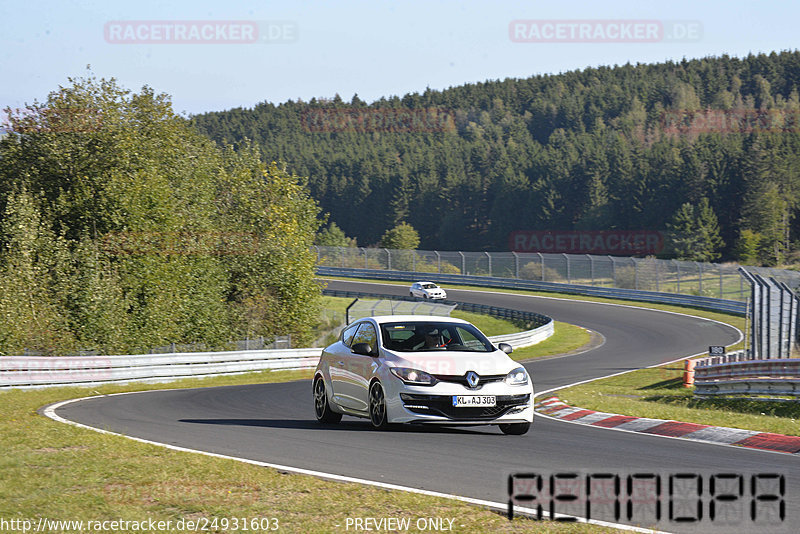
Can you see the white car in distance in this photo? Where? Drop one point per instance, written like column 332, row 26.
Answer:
column 421, row 369
column 427, row 290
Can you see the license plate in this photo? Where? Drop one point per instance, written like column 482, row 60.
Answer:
column 474, row 400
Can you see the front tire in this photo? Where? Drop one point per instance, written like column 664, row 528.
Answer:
column 322, row 408
column 377, row 407
column 515, row 429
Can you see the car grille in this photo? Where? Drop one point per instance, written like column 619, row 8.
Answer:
column 443, row 405
column 462, row 379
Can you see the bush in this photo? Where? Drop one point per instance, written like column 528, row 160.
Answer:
column 625, row 278
column 533, row 271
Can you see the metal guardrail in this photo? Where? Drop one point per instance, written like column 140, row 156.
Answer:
column 40, row 371
column 734, row 374
column 772, row 388
column 783, row 369
column 520, row 340
column 43, row 371
column 707, row 303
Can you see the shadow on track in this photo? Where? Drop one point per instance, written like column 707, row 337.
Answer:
column 306, row 424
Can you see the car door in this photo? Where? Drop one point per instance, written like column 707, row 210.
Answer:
column 339, row 362
column 360, row 368
column 366, row 365
column 415, row 289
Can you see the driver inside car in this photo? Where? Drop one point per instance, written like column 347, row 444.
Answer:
column 433, row 339
column 436, row 338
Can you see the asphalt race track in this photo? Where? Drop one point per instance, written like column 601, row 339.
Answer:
column 275, row 423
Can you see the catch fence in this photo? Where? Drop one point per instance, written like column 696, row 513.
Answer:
column 717, row 280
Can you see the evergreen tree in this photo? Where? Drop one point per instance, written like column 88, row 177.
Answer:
column 748, row 247
column 602, row 148
column 694, row 232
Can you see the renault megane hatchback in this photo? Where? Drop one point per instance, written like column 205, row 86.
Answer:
column 421, row 369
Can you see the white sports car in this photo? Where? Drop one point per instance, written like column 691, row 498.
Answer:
column 421, row 369
column 427, row 290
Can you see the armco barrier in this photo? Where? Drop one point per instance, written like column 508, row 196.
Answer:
column 39, row 371
column 707, row 303
column 733, row 375
column 520, row 340
column 769, row 388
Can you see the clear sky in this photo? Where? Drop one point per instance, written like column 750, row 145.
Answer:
column 317, row 48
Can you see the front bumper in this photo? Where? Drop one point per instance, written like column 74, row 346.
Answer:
column 442, row 406
column 418, row 404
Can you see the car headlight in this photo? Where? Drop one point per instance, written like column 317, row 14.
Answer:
column 517, row 377
column 413, row 376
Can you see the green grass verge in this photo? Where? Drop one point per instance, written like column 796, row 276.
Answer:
column 61, row 472
column 489, row 325
column 659, row 393
column 566, row 338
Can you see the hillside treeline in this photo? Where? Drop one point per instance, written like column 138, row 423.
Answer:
column 708, row 147
column 122, row 229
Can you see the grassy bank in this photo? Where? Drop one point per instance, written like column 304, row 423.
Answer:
column 566, row 338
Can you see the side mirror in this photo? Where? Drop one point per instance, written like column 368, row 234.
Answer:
column 363, row 348
column 505, row 347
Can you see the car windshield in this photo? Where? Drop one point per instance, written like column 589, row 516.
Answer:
column 428, row 286
column 433, row 336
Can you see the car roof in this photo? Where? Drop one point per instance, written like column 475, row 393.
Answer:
column 381, row 319
column 434, row 283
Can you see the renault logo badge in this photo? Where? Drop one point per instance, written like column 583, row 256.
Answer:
column 472, row 379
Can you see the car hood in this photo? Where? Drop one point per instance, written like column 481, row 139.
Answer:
column 454, row 363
